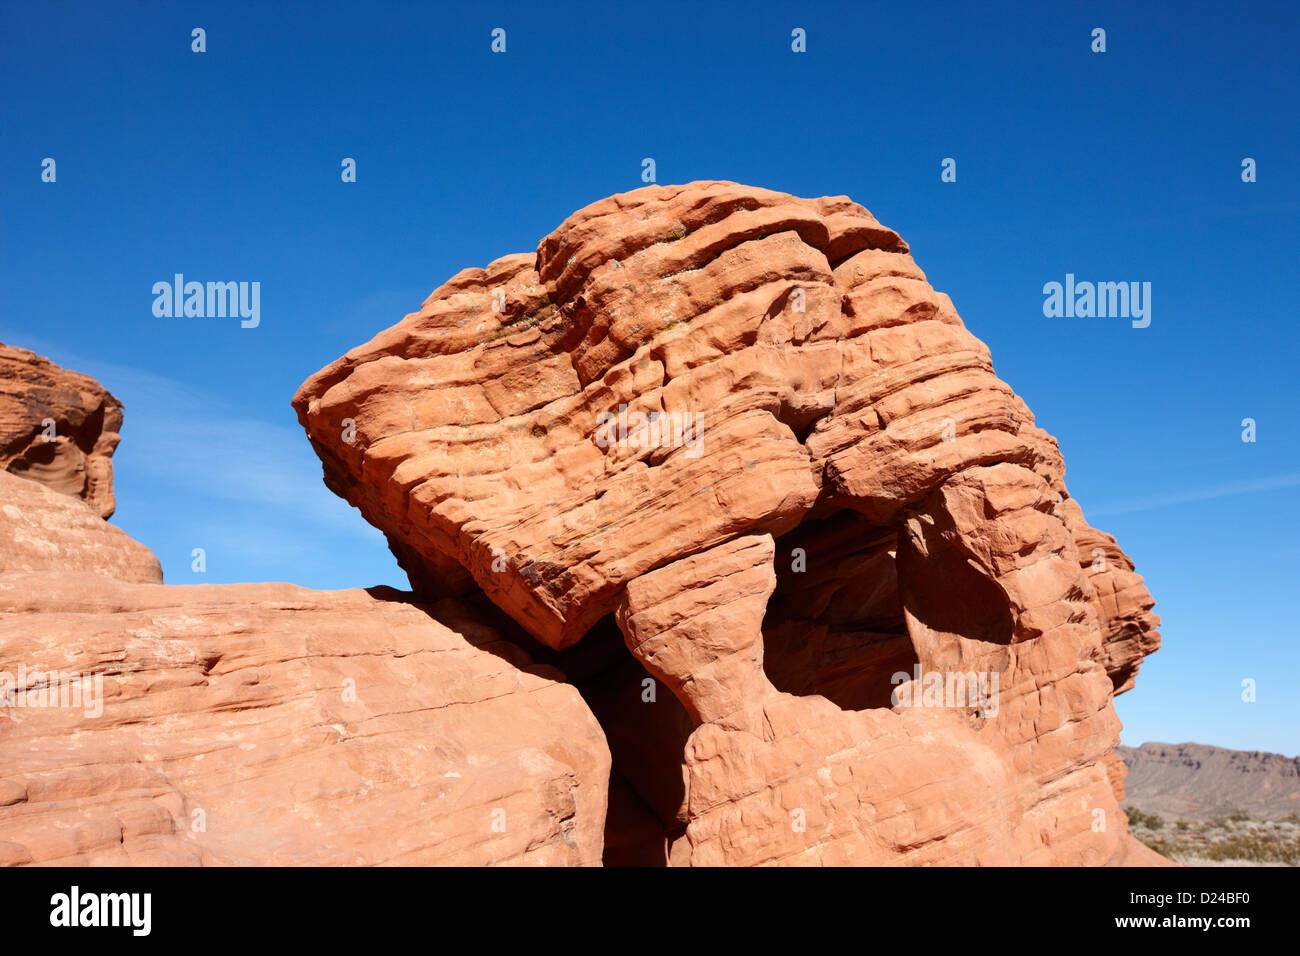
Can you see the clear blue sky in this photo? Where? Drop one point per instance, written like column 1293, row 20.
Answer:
column 1117, row 166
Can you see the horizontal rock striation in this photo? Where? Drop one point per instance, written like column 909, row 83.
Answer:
column 744, row 427
column 259, row 724
column 1199, row 782
column 266, row 724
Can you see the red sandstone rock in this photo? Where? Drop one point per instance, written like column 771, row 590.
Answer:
column 867, row 506
column 269, row 724
column 260, row 723
column 57, row 427
column 865, row 495
column 42, row 530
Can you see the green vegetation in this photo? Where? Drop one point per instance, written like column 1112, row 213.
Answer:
column 1138, row 819
column 1236, row 838
column 1255, row 849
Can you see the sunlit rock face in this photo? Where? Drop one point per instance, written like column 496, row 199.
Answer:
column 57, row 427
column 742, row 429
column 253, row 724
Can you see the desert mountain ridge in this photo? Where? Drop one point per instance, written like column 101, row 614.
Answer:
column 1191, row 781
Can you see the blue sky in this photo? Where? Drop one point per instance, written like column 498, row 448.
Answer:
column 1120, row 166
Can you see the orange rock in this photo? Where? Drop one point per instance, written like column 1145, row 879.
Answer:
column 732, row 432
column 42, row 530
column 269, row 724
column 260, row 723
column 735, row 419
column 58, row 427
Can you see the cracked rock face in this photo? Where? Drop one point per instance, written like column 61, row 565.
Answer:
column 743, row 427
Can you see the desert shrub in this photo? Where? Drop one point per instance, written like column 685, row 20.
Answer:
column 1255, row 849
column 1148, row 821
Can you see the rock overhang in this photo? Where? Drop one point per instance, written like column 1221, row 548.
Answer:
column 797, row 336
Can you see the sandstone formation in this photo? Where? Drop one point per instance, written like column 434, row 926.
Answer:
column 262, row 723
column 742, row 428
column 43, row 530
column 727, row 546
column 272, row 725
column 57, row 427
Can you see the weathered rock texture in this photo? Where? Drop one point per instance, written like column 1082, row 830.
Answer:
column 720, row 618
column 58, row 427
column 43, row 530
column 263, row 723
column 268, row 724
column 865, row 497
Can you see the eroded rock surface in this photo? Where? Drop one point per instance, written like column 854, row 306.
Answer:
column 741, row 488
column 264, row 723
column 44, row 530
column 746, row 426
column 57, row 427
column 267, row 724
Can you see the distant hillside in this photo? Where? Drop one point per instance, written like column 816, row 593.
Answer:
column 1200, row 782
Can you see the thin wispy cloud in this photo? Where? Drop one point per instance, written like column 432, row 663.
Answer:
column 198, row 444
column 1170, row 499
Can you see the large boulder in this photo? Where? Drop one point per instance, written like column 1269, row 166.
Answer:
column 57, row 427
column 743, row 428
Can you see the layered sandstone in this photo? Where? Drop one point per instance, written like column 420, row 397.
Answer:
column 697, row 501
column 58, row 428
column 43, row 530
column 818, row 482
column 263, row 723
column 266, row 724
